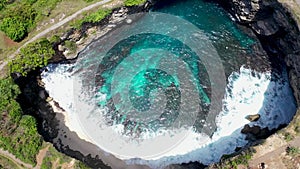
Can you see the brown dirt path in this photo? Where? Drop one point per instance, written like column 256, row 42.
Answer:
column 40, row 157
column 55, row 26
column 273, row 158
column 14, row 159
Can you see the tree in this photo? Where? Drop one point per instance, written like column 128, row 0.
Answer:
column 8, row 92
column 14, row 28
column 17, row 20
column 34, row 55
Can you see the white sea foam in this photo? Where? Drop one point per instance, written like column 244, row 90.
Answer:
column 247, row 93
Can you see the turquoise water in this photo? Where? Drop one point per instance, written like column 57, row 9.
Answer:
column 143, row 54
column 135, row 90
column 210, row 18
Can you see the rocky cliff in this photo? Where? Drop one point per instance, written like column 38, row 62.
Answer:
column 272, row 23
column 277, row 30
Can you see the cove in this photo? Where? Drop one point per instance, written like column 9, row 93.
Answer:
column 247, row 91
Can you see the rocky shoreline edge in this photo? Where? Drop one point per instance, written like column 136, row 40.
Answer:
column 282, row 48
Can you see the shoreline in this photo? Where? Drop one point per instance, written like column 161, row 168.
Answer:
column 67, row 121
column 65, row 113
column 237, row 132
column 68, row 140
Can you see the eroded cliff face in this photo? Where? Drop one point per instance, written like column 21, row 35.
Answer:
column 277, row 30
column 270, row 21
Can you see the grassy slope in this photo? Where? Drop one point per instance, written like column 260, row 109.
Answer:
column 43, row 21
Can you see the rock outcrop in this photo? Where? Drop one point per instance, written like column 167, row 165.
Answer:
column 253, row 118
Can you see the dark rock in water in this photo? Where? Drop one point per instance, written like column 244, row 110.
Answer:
column 252, row 130
column 256, row 132
column 252, row 118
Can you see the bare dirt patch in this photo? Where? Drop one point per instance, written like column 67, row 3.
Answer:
column 40, row 157
column 8, row 42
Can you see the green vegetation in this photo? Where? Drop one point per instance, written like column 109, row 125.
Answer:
column 50, row 157
column 54, row 39
column 97, row 16
column 134, row 2
column 88, row 0
column 71, row 46
column 80, row 165
column 17, row 22
column 53, row 156
column 242, row 159
column 288, row 136
column 32, row 56
column 92, row 17
column 293, row 151
column 3, row 4
column 20, row 17
column 24, row 142
column 9, row 91
column 230, row 162
column 18, row 132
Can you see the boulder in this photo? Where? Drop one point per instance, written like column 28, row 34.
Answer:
column 253, row 118
column 251, row 130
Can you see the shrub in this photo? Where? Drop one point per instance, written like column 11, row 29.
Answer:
column 14, row 28
column 16, row 22
column 292, row 151
column 92, row 18
column 288, row 136
column 8, row 92
column 3, row 3
column 134, row 2
column 19, row 18
column 19, row 134
column 34, row 55
column 71, row 46
column 97, row 16
column 55, row 39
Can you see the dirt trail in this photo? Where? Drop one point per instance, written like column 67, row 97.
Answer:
column 14, row 159
column 55, row 26
column 273, row 158
column 40, row 157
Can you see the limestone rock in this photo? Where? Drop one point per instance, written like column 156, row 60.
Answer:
column 252, row 118
column 49, row 99
column 76, row 35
